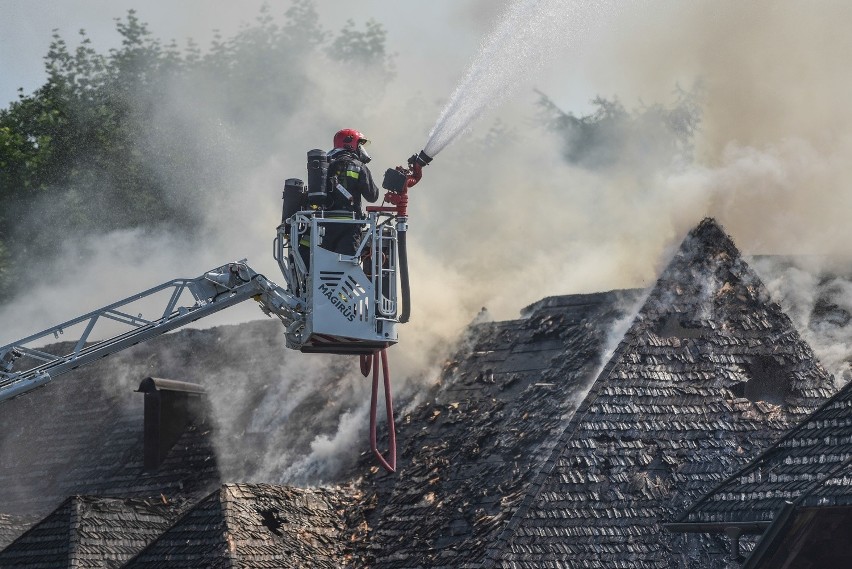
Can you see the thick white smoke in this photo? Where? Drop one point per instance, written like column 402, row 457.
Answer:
column 773, row 153
column 816, row 292
column 503, row 220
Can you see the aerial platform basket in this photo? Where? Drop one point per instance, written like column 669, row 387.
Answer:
column 352, row 297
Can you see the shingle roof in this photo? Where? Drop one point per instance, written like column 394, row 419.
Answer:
column 85, row 531
column 810, row 466
column 710, row 372
column 88, row 439
column 262, row 526
column 11, row 527
column 468, row 454
column 508, row 461
column 558, row 343
column 83, row 433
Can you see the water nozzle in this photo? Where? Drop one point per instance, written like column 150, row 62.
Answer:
column 423, row 159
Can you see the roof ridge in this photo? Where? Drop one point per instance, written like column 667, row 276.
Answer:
column 226, row 500
column 546, row 469
column 710, row 229
column 74, row 521
column 37, row 526
column 215, row 495
column 707, row 227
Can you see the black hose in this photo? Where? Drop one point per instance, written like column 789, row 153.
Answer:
column 403, row 277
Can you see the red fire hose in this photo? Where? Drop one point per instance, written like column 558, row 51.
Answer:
column 399, row 199
column 368, row 361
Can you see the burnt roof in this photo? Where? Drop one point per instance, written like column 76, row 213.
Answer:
column 469, row 455
column 512, row 460
column 709, row 373
column 78, row 437
column 86, row 531
column 262, row 526
column 559, row 342
column 12, row 526
column 811, row 465
column 503, row 468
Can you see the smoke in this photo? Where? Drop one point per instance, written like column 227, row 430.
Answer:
column 98, row 270
column 502, row 220
column 521, row 44
column 224, row 168
column 771, row 160
column 773, row 153
column 816, row 292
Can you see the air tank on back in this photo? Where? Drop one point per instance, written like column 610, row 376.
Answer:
column 294, row 198
column 317, row 174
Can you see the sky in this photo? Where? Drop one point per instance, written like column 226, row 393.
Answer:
column 448, row 31
column 25, row 32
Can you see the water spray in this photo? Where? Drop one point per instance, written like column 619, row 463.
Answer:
column 527, row 37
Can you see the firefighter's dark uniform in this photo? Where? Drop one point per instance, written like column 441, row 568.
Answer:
column 349, row 181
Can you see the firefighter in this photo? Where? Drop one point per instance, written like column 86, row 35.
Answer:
column 349, row 180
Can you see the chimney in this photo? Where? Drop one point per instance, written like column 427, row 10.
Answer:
column 170, row 407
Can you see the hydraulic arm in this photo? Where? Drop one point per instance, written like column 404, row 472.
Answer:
column 23, row 367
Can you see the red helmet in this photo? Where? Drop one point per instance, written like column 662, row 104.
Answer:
column 349, row 138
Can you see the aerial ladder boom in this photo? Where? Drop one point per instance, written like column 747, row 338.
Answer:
column 215, row 290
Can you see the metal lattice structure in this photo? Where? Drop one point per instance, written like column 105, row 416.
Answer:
column 342, row 304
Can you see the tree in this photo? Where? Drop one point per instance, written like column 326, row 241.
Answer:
column 138, row 136
column 611, row 136
column 361, row 48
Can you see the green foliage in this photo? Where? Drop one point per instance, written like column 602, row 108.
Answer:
column 27, row 131
column 361, row 48
column 612, row 136
column 119, row 140
column 4, row 267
